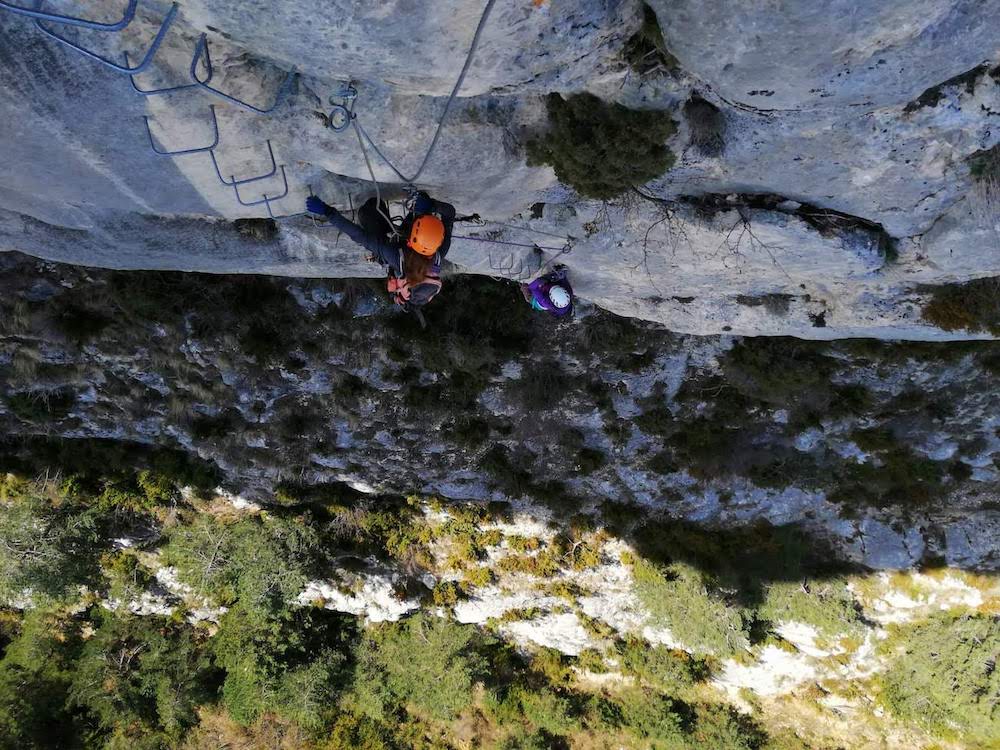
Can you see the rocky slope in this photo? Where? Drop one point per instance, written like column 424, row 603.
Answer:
column 601, row 492
column 886, row 452
column 844, row 180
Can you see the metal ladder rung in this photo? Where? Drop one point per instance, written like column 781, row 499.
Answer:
column 156, row 92
column 267, row 199
column 270, row 213
column 143, row 64
column 234, row 181
column 40, row 15
column 215, row 142
column 201, row 50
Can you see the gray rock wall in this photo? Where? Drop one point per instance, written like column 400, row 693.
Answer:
column 79, row 183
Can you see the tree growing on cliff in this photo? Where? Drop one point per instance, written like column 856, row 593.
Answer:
column 945, row 676
column 48, row 547
column 602, row 149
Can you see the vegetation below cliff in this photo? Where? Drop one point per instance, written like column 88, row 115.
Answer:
column 619, row 537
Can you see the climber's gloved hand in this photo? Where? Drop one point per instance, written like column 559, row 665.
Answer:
column 315, row 205
column 423, row 204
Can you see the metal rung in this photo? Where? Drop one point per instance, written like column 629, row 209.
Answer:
column 201, row 49
column 41, row 15
column 267, row 199
column 155, row 92
column 215, row 142
column 234, row 181
column 146, row 60
column 270, row 213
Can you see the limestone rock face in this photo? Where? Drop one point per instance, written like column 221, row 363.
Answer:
column 806, row 55
column 842, row 185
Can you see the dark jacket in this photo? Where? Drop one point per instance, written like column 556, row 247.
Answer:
column 389, row 252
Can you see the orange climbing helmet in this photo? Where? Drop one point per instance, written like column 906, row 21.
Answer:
column 427, row 235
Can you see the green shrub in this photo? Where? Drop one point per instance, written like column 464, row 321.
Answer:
column 353, row 732
column 662, row 462
column 985, row 164
column 35, row 675
column 508, row 473
column 670, row 670
column 426, row 662
column 41, row 406
column 645, row 51
column 656, row 419
column 722, row 726
column 477, row 578
column 142, row 679
column 394, row 529
column 97, row 461
column 78, row 322
column 127, row 578
column 542, row 384
column 874, row 439
column 212, row 427
column 707, row 125
column 263, row 563
column 706, row 448
column 591, row 660
column 903, row 478
column 826, row 605
column 590, row 460
column 49, row 550
column 446, row 594
column 552, row 665
column 524, row 544
column 655, row 719
column 785, row 373
column 539, row 739
column 682, row 599
column 601, row 149
column 545, row 709
column 946, row 677
column 289, row 662
column 716, row 589
column 973, row 306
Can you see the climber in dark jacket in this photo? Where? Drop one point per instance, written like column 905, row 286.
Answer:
column 412, row 254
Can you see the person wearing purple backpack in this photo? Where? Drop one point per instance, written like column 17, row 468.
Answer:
column 551, row 293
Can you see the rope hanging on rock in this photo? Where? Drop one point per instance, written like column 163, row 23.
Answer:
column 447, row 107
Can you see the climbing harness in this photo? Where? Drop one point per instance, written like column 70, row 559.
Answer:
column 143, row 64
column 183, row 152
column 201, row 51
